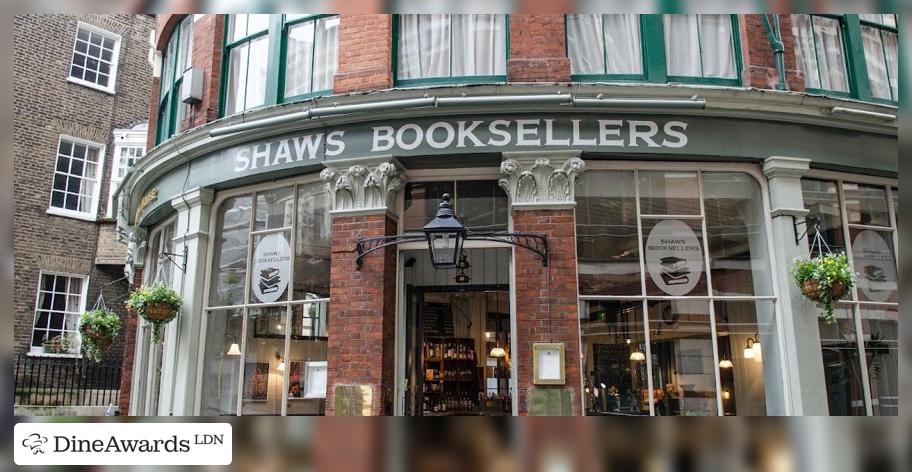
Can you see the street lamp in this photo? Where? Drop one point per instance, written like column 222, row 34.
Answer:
column 445, row 235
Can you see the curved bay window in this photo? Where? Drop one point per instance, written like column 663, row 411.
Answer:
column 265, row 345
column 867, row 324
column 675, row 286
column 176, row 60
column 246, row 48
column 450, row 48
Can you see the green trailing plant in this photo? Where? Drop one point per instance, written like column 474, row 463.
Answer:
column 99, row 328
column 60, row 344
column 158, row 304
column 825, row 279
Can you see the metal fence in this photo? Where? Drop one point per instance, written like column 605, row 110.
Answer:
column 43, row 381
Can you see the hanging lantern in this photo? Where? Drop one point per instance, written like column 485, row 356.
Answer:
column 445, row 235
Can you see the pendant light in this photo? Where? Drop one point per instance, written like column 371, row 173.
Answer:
column 637, row 356
column 497, row 352
column 725, row 364
column 234, row 350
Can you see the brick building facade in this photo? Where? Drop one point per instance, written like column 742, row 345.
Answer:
column 50, row 108
column 347, row 127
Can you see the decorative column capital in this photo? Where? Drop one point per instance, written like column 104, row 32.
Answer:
column 363, row 186
column 545, row 180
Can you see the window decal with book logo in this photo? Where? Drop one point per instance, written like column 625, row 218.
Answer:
column 271, row 268
column 874, row 266
column 674, row 257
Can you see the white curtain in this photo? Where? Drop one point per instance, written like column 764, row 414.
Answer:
column 451, row 45
column 622, row 41
column 830, row 58
column 424, row 46
column 881, row 70
column 256, row 72
column 584, row 44
column 699, row 46
column 479, row 45
column 298, row 57
column 326, row 52
column 237, row 79
column 891, row 50
column 804, row 49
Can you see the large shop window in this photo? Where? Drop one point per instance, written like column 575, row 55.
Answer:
column 657, row 48
column 77, row 178
column 265, row 344
column 481, row 205
column 278, row 58
column 676, row 295
column 451, row 49
column 60, row 303
column 867, row 326
column 176, row 60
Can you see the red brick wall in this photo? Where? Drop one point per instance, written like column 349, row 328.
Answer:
column 538, row 50
column 759, row 60
column 533, row 297
column 362, row 312
column 208, row 35
column 365, row 53
column 129, row 352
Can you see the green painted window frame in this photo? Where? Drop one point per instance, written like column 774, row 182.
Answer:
column 287, row 24
column 447, row 80
column 655, row 67
column 167, row 124
column 275, row 62
column 850, row 70
column 611, row 77
column 881, row 28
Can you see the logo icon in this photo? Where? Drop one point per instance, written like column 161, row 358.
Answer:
column 35, row 442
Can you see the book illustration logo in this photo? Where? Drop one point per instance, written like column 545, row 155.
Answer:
column 674, row 257
column 875, row 266
column 271, row 268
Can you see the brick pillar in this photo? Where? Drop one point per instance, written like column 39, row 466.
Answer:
column 546, row 311
column 136, row 255
column 362, row 307
column 538, row 51
column 365, row 53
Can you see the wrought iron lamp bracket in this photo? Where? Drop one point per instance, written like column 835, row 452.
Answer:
column 811, row 222
column 536, row 243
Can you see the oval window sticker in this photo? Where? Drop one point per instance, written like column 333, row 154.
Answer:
column 674, row 257
column 271, row 268
column 875, row 270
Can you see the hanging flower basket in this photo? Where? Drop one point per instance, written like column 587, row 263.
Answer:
column 825, row 279
column 99, row 328
column 158, row 304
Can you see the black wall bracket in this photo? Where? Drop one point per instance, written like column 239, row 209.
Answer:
column 536, row 243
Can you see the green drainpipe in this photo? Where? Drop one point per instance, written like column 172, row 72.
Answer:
column 775, row 39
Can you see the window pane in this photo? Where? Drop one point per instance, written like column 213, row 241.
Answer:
column 313, row 244
column 257, row 23
column 221, row 363
column 421, row 200
column 716, row 48
column 891, row 51
column 586, row 44
column 830, row 54
column 230, row 252
column 739, row 325
column 307, row 360
column 669, row 193
column 875, row 265
column 326, row 53
column 478, row 45
column 606, row 234
column 424, row 46
column 682, row 46
column 264, row 366
column 256, row 73
column 481, row 205
column 274, row 209
column 614, row 361
column 866, row 204
column 874, row 57
column 298, row 59
column 683, row 367
column 880, row 329
column 237, row 79
column 735, row 220
column 270, row 267
column 821, row 199
column 841, row 369
column 622, row 41
column 673, row 253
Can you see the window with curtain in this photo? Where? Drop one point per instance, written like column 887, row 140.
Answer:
column 820, row 49
column 700, row 46
column 176, row 60
column 608, row 45
column 676, row 297
column 451, row 47
column 860, row 351
column 266, row 317
column 311, row 54
column 247, row 53
column 880, row 38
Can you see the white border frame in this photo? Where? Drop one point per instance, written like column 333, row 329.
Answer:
column 84, row 295
column 87, row 216
column 115, row 59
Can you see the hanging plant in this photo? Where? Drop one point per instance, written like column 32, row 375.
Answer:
column 824, row 279
column 99, row 328
column 158, row 304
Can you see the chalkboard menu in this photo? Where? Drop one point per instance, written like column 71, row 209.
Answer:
column 438, row 319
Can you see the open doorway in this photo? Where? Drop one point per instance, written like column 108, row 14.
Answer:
column 458, row 336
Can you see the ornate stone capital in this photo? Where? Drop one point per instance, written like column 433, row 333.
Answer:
column 541, row 179
column 363, row 186
column 136, row 250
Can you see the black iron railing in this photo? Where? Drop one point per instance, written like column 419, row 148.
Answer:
column 45, row 381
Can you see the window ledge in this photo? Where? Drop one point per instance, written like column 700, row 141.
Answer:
column 71, row 214
column 59, row 356
column 85, row 83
